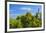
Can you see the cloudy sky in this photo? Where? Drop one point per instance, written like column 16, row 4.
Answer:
column 18, row 9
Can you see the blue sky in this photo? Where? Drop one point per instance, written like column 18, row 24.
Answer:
column 18, row 9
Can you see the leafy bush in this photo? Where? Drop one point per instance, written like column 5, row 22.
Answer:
column 24, row 21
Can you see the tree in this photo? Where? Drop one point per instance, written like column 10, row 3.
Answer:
column 24, row 21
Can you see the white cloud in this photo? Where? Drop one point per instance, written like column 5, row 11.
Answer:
column 26, row 8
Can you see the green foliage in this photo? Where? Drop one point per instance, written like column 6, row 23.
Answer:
column 24, row 21
column 15, row 24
